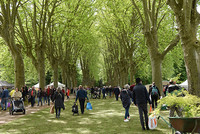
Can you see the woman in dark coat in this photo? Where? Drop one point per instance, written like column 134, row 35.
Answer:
column 59, row 101
column 126, row 96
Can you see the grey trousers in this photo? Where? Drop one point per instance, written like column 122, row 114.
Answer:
column 177, row 109
column 143, row 109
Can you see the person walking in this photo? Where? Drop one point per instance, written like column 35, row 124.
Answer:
column 39, row 96
column 32, row 94
column 155, row 94
column 4, row 99
column 48, row 95
column 140, row 98
column 23, row 93
column 172, row 88
column 125, row 97
column 117, row 92
column 104, row 92
column 81, row 95
column 44, row 96
column 68, row 93
column 59, row 101
column 53, row 90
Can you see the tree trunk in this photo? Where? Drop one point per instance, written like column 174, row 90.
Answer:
column 17, row 57
column 156, row 59
column 193, row 72
column 19, row 70
column 41, row 68
column 55, row 74
column 63, row 72
column 156, row 64
column 132, row 74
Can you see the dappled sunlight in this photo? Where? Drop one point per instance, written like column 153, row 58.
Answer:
column 89, row 121
column 45, row 112
column 100, row 104
column 14, row 131
column 161, row 130
column 106, row 113
column 83, row 131
column 57, row 121
column 106, row 117
column 68, row 129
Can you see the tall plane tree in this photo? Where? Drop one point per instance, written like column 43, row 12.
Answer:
column 8, row 14
column 34, row 23
column 151, row 18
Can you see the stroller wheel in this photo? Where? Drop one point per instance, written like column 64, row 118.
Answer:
column 24, row 112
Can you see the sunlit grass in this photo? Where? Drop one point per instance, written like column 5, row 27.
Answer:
column 106, row 117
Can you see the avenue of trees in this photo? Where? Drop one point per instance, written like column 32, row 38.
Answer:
column 95, row 42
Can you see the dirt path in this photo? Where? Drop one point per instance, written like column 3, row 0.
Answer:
column 5, row 117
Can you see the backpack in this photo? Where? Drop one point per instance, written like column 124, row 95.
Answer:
column 154, row 91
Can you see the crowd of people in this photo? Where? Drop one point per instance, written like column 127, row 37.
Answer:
column 31, row 95
column 135, row 94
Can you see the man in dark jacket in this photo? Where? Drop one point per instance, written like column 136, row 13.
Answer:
column 81, row 94
column 170, row 90
column 59, row 101
column 140, row 98
column 155, row 94
column 117, row 92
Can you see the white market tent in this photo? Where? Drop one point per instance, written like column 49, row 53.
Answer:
column 184, row 84
column 5, row 84
column 36, row 86
column 59, row 84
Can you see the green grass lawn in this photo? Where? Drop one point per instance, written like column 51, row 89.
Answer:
column 106, row 118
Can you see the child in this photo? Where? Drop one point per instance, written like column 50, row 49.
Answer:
column 125, row 96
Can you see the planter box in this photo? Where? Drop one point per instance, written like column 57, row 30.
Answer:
column 185, row 125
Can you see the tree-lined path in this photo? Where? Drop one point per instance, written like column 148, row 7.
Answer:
column 99, row 42
column 96, row 43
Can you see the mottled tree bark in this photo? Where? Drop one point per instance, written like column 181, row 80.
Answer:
column 188, row 19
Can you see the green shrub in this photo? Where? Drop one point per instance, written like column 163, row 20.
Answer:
column 189, row 103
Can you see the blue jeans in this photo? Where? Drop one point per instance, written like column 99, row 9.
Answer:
column 4, row 103
column 40, row 100
column 48, row 99
column 127, row 112
column 45, row 99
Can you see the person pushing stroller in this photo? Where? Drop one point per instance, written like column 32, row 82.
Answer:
column 17, row 95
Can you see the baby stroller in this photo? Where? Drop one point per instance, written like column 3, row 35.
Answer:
column 75, row 108
column 17, row 106
column 96, row 95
